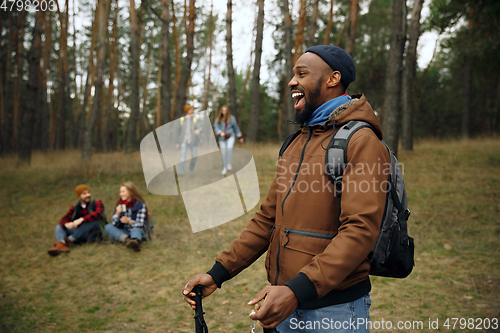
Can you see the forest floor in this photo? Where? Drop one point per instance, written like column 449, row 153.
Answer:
column 454, row 196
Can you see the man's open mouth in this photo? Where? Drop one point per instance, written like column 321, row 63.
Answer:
column 298, row 99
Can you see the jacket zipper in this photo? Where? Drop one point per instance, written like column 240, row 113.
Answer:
column 283, row 203
column 307, row 234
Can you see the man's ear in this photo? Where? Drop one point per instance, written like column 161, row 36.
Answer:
column 333, row 79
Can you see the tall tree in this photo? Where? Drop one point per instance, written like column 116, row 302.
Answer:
column 64, row 104
column 392, row 97
column 409, row 75
column 18, row 81
column 311, row 38
column 165, row 62
column 353, row 23
column 253, row 123
column 177, row 63
column 101, row 63
column 208, row 78
column 329, row 25
column 186, row 69
column 135, row 67
column 230, row 70
column 299, row 38
column 27, row 128
column 288, row 100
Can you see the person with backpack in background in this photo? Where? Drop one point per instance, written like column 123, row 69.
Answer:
column 188, row 137
column 317, row 246
column 129, row 222
column 226, row 128
column 80, row 224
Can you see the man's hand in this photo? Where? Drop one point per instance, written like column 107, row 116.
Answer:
column 69, row 225
column 77, row 222
column 177, row 146
column 279, row 303
column 197, row 132
column 222, row 134
column 205, row 280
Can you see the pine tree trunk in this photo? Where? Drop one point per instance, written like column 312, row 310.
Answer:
column 299, row 37
column 105, row 110
column 392, row 98
column 186, row 69
column 134, row 98
column 253, row 122
column 7, row 79
column 113, row 61
column 177, row 63
column 329, row 25
column 101, row 62
column 207, row 78
column 63, row 98
column 2, row 97
column 409, row 75
column 27, row 128
column 288, row 100
column 89, row 83
column 467, row 79
column 233, row 106
column 353, row 23
column 311, row 38
column 165, row 63
column 18, row 82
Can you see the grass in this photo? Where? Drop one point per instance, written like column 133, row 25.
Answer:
column 454, row 195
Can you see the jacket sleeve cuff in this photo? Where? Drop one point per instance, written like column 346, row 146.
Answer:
column 219, row 273
column 303, row 288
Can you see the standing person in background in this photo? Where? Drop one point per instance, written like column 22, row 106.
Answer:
column 188, row 136
column 226, row 128
column 129, row 219
column 80, row 224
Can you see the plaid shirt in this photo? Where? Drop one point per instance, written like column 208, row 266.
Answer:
column 137, row 215
column 83, row 212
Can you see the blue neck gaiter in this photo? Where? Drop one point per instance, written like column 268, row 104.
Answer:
column 321, row 114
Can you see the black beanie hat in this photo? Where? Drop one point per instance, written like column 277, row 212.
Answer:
column 338, row 60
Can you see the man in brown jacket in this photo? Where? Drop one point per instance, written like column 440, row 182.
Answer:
column 317, row 261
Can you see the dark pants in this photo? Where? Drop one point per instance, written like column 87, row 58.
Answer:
column 86, row 232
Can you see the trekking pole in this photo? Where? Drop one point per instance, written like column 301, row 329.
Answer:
column 199, row 321
column 270, row 330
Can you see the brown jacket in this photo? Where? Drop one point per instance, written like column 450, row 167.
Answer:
column 297, row 224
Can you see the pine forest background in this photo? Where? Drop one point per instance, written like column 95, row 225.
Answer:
column 99, row 75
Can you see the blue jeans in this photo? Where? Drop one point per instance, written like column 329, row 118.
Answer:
column 226, row 150
column 119, row 235
column 347, row 317
column 194, row 153
column 86, row 232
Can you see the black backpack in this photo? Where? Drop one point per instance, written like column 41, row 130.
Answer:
column 392, row 255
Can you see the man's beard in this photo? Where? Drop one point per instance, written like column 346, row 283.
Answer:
column 309, row 108
column 305, row 114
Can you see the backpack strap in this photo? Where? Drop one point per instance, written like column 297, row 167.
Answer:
column 287, row 142
column 336, row 156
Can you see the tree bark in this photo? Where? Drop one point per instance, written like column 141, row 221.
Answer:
column 288, row 100
column 7, row 101
column 186, row 70
column 329, row 25
column 233, row 105
column 392, row 98
column 409, row 75
column 134, row 98
column 311, row 38
column 28, row 124
column 299, row 37
column 18, row 81
column 353, row 23
column 467, row 77
column 101, row 62
column 111, row 130
column 177, row 63
column 253, row 123
column 63, row 96
column 165, row 63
